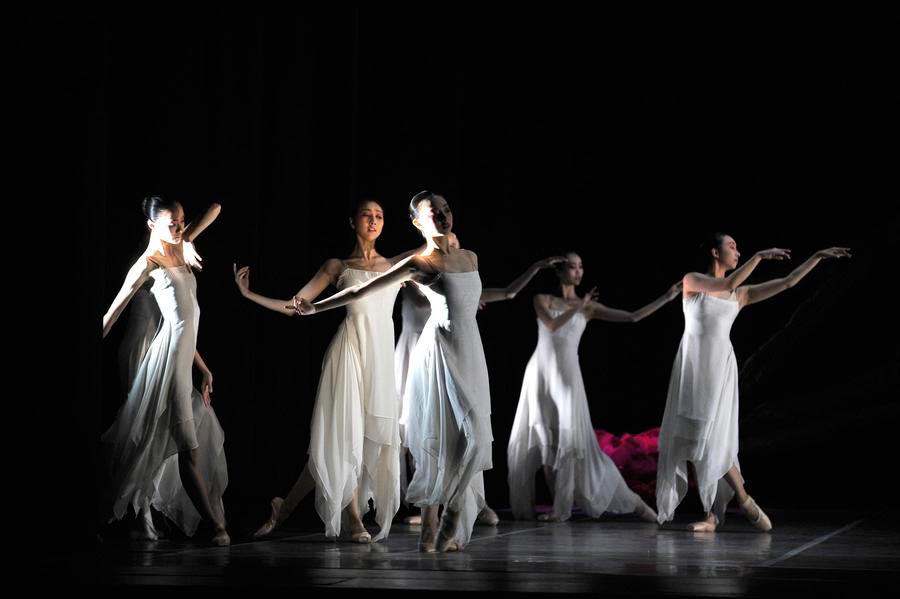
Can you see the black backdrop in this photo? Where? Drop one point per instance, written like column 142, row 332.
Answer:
column 546, row 132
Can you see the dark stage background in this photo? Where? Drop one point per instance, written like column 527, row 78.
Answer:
column 546, row 133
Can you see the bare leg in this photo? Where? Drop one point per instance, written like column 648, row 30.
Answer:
column 710, row 522
column 428, row 535
column 408, row 458
column 304, row 486
column 283, row 508
column 358, row 532
column 447, row 536
column 198, row 494
column 748, row 506
column 550, row 477
column 143, row 529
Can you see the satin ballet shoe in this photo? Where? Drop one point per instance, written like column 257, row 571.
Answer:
column 548, row 518
column 645, row 512
column 362, row 536
column 427, row 541
column 761, row 521
column 487, row 517
column 704, row 525
column 413, row 520
column 446, row 539
column 144, row 531
column 272, row 523
column 221, row 538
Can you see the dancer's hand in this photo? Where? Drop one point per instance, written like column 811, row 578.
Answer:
column 302, row 306
column 774, row 254
column 206, row 388
column 837, row 252
column 548, row 262
column 191, row 256
column 675, row 290
column 590, row 296
column 242, row 278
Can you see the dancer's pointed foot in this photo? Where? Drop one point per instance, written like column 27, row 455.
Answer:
column 359, row 534
column 413, row 520
column 144, row 529
column 551, row 517
column 708, row 525
column 447, row 536
column 272, row 523
column 487, row 517
column 428, row 538
column 755, row 515
column 645, row 512
column 221, row 538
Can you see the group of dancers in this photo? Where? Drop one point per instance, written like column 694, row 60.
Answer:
column 424, row 404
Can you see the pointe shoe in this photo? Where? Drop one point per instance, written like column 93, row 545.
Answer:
column 413, row 520
column 548, row 518
column 429, row 545
column 704, row 525
column 645, row 512
column 487, row 517
column 362, row 536
column 145, row 530
column 221, row 538
column 272, row 523
column 761, row 521
column 446, row 539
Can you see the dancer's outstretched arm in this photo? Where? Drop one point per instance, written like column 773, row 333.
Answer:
column 136, row 277
column 695, row 282
column 326, row 275
column 497, row 294
column 751, row 294
column 601, row 312
column 412, row 268
column 400, row 257
column 195, row 228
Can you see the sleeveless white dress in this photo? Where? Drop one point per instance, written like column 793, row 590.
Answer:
column 354, row 434
column 700, row 423
column 447, row 404
column 163, row 413
column 553, row 428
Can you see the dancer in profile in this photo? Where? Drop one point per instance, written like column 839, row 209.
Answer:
column 161, row 418
column 415, row 310
column 700, row 423
column 552, row 427
column 170, row 498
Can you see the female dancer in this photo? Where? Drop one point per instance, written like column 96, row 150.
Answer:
column 700, row 423
column 354, row 436
column 159, row 418
column 415, row 311
column 143, row 323
column 553, row 422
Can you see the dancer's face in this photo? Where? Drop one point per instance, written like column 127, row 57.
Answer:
column 169, row 225
column 443, row 217
column 424, row 219
column 369, row 221
column 727, row 255
column 571, row 271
